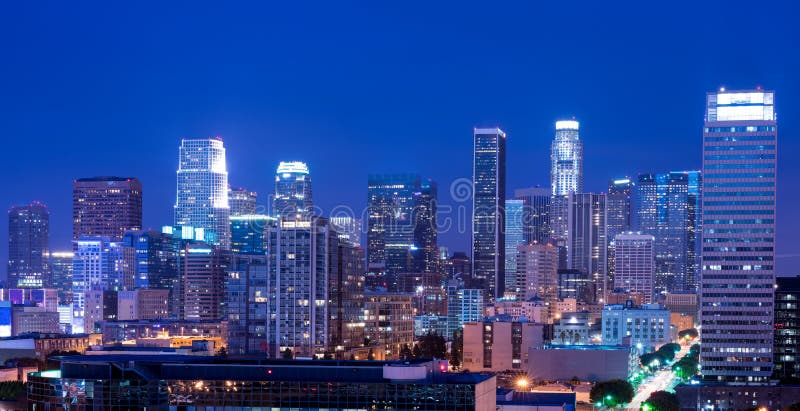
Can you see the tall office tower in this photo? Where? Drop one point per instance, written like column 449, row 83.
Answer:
column 303, row 260
column 242, row 201
column 515, row 237
column 249, row 233
column 155, row 255
column 202, row 200
column 586, row 240
column 28, row 246
column 93, row 267
column 349, row 229
column 247, row 295
column 738, row 217
column 634, row 261
column 575, row 284
column 204, row 270
column 106, row 207
column 668, row 209
column 61, row 274
column 401, row 226
column 619, row 215
column 292, row 199
column 536, row 213
column 347, row 299
column 537, row 271
column 464, row 305
column 488, row 216
column 566, row 175
column 787, row 329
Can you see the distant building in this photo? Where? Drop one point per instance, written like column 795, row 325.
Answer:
column 249, row 233
column 488, row 211
column 536, row 213
column 787, row 329
column 514, row 237
column 574, row 284
column 155, row 255
column 720, row 396
column 32, row 319
column 203, row 272
column 566, row 176
column 464, row 305
column 349, row 229
column 389, row 321
column 292, row 198
column 115, row 332
column 620, row 215
column 498, row 344
column 634, row 264
column 97, row 264
column 685, row 303
column 61, row 268
column 106, row 207
column 572, row 328
column 347, row 297
column 29, row 246
column 586, row 362
column 143, row 304
column 247, row 297
column 242, row 201
column 537, row 271
column 533, row 310
column 202, row 194
column 587, row 242
column 431, row 324
column 100, row 305
column 647, row 325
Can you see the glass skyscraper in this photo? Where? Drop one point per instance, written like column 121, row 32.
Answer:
column 536, row 213
column 619, row 215
column 488, row 214
column 515, row 237
column 249, row 233
column 155, row 258
column 401, row 225
column 668, row 209
column 28, row 246
column 292, row 199
column 566, row 175
column 634, row 264
column 202, row 200
column 106, row 207
column 738, row 217
column 587, row 246
column 242, row 201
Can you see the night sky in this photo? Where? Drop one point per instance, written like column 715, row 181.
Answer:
column 110, row 89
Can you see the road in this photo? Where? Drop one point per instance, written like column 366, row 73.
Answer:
column 662, row 380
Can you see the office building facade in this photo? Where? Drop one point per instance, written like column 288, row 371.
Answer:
column 566, row 175
column 536, row 213
column 242, row 201
column 634, row 264
column 202, row 198
column 787, row 329
column 738, row 218
column 488, row 211
column 537, row 271
column 106, row 207
column 587, row 246
column 29, row 246
column 515, row 237
column 292, row 199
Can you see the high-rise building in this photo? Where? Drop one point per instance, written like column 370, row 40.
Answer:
column 389, row 321
column 28, row 246
column 347, row 299
column 247, row 296
column 202, row 200
column 619, row 215
column 401, row 226
column 536, row 213
column 586, row 242
column 575, row 284
column 106, row 207
column 668, row 209
column 242, row 201
column 464, row 305
column 566, row 176
column 292, row 199
column 61, row 269
column 155, row 255
column 93, row 267
column 634, row 260
column 349, row 229
column 249, row 233
column 738, row 218
column 537, row 272
column 787, row 329
column 488, row 216
column 204, row 270
column 515, row 237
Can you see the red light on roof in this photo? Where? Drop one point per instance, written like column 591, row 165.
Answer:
column 758, row 87
column 269, row 371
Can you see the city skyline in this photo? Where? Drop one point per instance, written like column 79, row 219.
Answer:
column 142, row 143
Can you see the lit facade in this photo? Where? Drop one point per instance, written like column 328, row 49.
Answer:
column 537, row 271
column 787, row 329
column 738, row 219
column 242, row 201
column 203, row 270
column 488, row 211
column 587, row 241
column 29, row 246
column 249, row 233
column 96, row 265
column 247, row 296
column 566, row 175
column 155, row 255
column 499, row 344
column 292, row 200
column 515, row 237
column 536, row 213
column 202, row 199
column 634, row 264
column 647, row 325
column 106, row 207
column 619, row 214
column 389, row 321
column 669, row 210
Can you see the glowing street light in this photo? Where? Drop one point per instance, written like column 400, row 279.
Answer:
column 523, row 383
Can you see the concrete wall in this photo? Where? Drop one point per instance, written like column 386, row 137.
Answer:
column 587, row 365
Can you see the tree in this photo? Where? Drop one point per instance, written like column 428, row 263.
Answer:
column 9, row 390
column 327, row 356
column 416, row 352
column 612, row 393
column 688, row 334
column 694, row 351
column 651, row 359
column 287, row 354
column 222, row 352
column 661, row 401
column 457, row 348
column 405, row 352
column 432, row 345
column 687, row 367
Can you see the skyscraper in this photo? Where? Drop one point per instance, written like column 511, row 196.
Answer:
column 93, row 267
column 566, row 175
column 204, row 269
column 488, row 214
column 247, row 294
column 787, row 329
column 634, row 260
column 515, row 237
column 668, row 209
column 292, row 199
column 536, row 213
column 202, row 200
column 738, row 217
column 61, row 269
column 106, row 207
column 537, row 272
column 249, row 233
column 155, row 258
column 242, row 201
column 401, row 226
column 586, row 239
column 619, row 215
column 28, row 246
column 349, row 229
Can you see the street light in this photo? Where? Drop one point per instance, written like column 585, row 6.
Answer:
column 522, row 383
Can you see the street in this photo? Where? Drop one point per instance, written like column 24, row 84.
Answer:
column 662, row 380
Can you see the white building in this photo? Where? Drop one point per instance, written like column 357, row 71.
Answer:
column 647, row 325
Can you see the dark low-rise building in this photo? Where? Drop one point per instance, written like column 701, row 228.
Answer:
column 733, row 397
column 165, row 382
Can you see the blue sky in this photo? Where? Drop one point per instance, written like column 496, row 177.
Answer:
column 109, row 88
